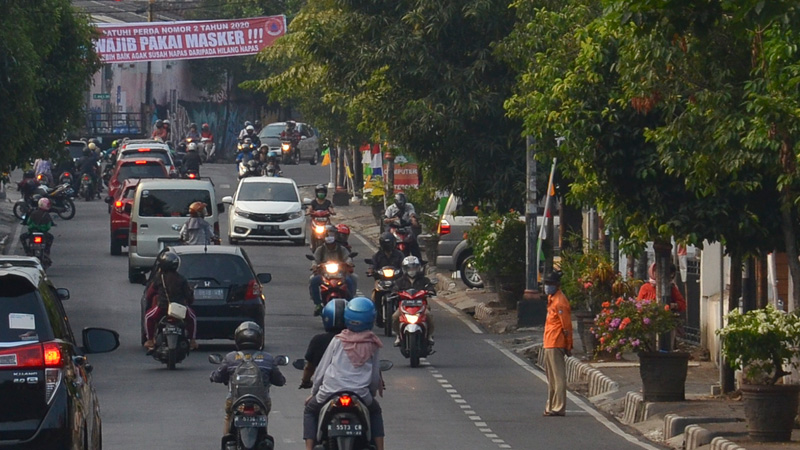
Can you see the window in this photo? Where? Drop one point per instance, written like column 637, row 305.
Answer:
column 161, row 154
column 150, row 170
column 170, row 203
column 226, row 269
column 267, row 192
column 22, row 317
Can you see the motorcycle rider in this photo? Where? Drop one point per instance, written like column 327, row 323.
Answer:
column 388, row 255
column 250, row 132
column 249, row 340
column 44, row 167
column 266, row 158
column 196, row 230
column 88, row 165
column 330, row 251
column 192, row 133
column 167, row 285
column 205, row 132
column 350, row 363
column 412, row 278
column 290, row 133
column 343, row 235
column 320, row 202
column 158, row 131
column 167, row 130
column 405, row 215
column 39, row 220
column 243, row 132
column 333, row 321
column 192, row 161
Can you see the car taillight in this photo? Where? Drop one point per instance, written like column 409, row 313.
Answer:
column 45, row 356
column 253, row 291
column 192, row 176
column 444, row 227
column 132, row 234
column 142, row 150
column 345, row 400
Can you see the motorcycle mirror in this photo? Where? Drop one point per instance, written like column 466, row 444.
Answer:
column 385, row 365
column 299, row 364
column 310, row 257
column 353, row 254
column 108, row 199
column 215, row 358
column 368, row 261
column 282, row 360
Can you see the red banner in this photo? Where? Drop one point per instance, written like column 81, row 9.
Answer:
column 133, row 42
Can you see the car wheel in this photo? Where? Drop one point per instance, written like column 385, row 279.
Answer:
column 469, row 274
column 116, row 247
column 296, row 158
column 133, row 274
column 314, row 159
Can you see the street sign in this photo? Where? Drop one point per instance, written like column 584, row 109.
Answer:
column 103, row 96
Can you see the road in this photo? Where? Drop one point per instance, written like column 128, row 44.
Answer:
column 471, row 394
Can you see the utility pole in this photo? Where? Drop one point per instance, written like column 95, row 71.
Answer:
column 533, row 308
column 148, row 86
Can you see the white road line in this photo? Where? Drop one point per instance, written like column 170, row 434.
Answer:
column 460, row 316
column 366, row 242
column 574, row 398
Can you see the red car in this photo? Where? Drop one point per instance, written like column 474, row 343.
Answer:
column 144, row 167
column 121, row 215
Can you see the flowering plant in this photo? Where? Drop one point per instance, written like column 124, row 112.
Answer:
column 632, row 325
column 761, row 342
column 498, row 243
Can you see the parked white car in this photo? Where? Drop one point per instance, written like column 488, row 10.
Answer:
column 267, row 209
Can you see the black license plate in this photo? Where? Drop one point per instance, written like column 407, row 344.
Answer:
column 170, row 329
column 209, row 294
column 250, row 421
column 345, row 429
column 268, row 228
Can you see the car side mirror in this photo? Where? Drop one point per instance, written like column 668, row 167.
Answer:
column 306, row 201
column 215, row 358
column 221, row 207
column 63, row 294
column 264, row 278
column 227, row 199
column 128, row 208
column 99, row 340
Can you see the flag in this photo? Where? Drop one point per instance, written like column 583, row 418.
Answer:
column 551, row 193
column 376, row 162
column 326, row 156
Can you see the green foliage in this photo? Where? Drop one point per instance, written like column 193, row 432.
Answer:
column 627, row 324
column 44, row 74
column 498, row 243
column 761, row 342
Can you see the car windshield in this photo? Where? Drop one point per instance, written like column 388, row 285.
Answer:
column 225, row 269
column 267, row 192
column 150, row 170
column 272, row 130
column 75, row 150
column 22, row 318
column 170, row 203
column 161, row 154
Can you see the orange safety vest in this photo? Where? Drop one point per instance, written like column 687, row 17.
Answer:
column 558, row 325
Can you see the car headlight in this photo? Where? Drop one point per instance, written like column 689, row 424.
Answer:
column 295, row 215
column 241, row 212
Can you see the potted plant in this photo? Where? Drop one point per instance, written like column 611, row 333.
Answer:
column 498, row 243
column 763, row 343
column 627, row 324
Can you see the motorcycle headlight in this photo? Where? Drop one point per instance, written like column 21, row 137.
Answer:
column 295, row 215
column 319, row 229
column 241, row 213
column 285, row 147
column 412, row 318
column 388, row 273
column 332, row 267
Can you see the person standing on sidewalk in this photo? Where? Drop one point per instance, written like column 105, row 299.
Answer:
column 557, row 345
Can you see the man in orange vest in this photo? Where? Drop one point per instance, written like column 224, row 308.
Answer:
column 557, row 345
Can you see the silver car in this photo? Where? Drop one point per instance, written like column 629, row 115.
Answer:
column 308, row 149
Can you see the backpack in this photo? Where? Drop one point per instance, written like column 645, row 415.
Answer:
column 247, row 379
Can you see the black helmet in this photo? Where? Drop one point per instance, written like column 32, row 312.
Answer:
column 169, row 261
column 257, row 124
column 193, row 126
column 159, row 123
column 387, row 241
column 248, row 336
column 400, row 199
column 333, row 315
column 321, row 188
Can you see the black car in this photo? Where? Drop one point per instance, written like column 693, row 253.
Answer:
column 227, row 291
column 48, row 401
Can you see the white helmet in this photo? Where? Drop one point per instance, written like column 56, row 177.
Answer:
column 411, row 266
column 192, row 147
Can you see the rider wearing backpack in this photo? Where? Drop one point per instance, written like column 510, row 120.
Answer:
column 249, row 342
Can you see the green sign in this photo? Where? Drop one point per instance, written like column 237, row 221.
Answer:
column 103, row 96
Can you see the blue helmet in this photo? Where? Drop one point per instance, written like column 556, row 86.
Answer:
column 333, row 315
column 359, row 314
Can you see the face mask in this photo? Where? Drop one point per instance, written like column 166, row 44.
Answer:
column 550, row 289
column 321, row 196
column 330, row 239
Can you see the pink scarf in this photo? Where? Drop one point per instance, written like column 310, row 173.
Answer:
column 359, row 346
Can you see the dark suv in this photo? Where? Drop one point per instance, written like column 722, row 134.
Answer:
column 48, row 401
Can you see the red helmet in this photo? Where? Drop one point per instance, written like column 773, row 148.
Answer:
column 342, row 232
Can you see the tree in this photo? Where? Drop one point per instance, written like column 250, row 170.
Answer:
column 44, row 75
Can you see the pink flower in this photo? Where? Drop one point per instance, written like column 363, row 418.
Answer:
column 646, row 321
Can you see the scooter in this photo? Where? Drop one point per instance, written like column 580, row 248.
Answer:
column 249, row 410
column 383, row 295
column 36, row 246
column 319, row 221
column 171, row 342
column 207, row 149
column 404, row 235
column 289, row 152
column 333, row 284
column 413, row 306
column 60, row 201
column 343, row 422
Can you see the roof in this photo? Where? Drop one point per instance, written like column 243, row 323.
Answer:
column 211, row 249
column 149, row 159
column 276, row 180
column 152, row 145
column 175, row 183
column 30, row 273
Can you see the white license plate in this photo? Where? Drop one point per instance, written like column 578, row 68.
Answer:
column 209, row 294
column 268, row 228
column 250, row 421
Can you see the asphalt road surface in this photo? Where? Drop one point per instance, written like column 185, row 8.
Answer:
column 471, row 394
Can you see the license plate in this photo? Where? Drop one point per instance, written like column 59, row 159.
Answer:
column 170, row 329
column 209, row 294
column 250, row 421
column 268, row 228
column 342, row 429
column 412, row 303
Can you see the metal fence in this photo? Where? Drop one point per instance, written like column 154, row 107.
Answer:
column 115, row 123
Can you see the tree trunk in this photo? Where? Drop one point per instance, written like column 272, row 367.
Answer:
column 641, row 266
column 727, row 380
column 790, row 240
column 570, row 223
column 762, row 283
column 663, row 286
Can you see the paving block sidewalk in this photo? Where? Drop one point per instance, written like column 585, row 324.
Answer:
column 703, row 422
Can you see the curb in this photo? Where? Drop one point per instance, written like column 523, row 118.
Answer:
column 675, row 424
column 482, row 311
column 579, row 372
column 720, row 443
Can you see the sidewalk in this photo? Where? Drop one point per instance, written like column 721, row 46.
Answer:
column 703, row 422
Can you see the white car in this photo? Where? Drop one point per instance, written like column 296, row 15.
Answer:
column 267, row 209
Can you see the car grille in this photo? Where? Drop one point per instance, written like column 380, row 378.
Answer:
column 269, row 217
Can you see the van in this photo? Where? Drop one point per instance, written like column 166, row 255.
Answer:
column 160, row 208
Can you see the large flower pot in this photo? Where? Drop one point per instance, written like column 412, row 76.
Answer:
column 585, row 322
column 770, row 411
column 663, row 376
column 489, row 281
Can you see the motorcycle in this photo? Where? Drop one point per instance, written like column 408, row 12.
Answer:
column 60, row 201
column 249, row 410
column 108, row 171
column 404, row 235
column 87, row 188
column 66, row 177
column 171, row 342
column 319, row 221
column 383, row 295
column 270, row 170
column 249, row 169
column 344, row 419
column 207, row 149
column 289, row 152
column 413, row 306
column 37, row 246
column 334, row 284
